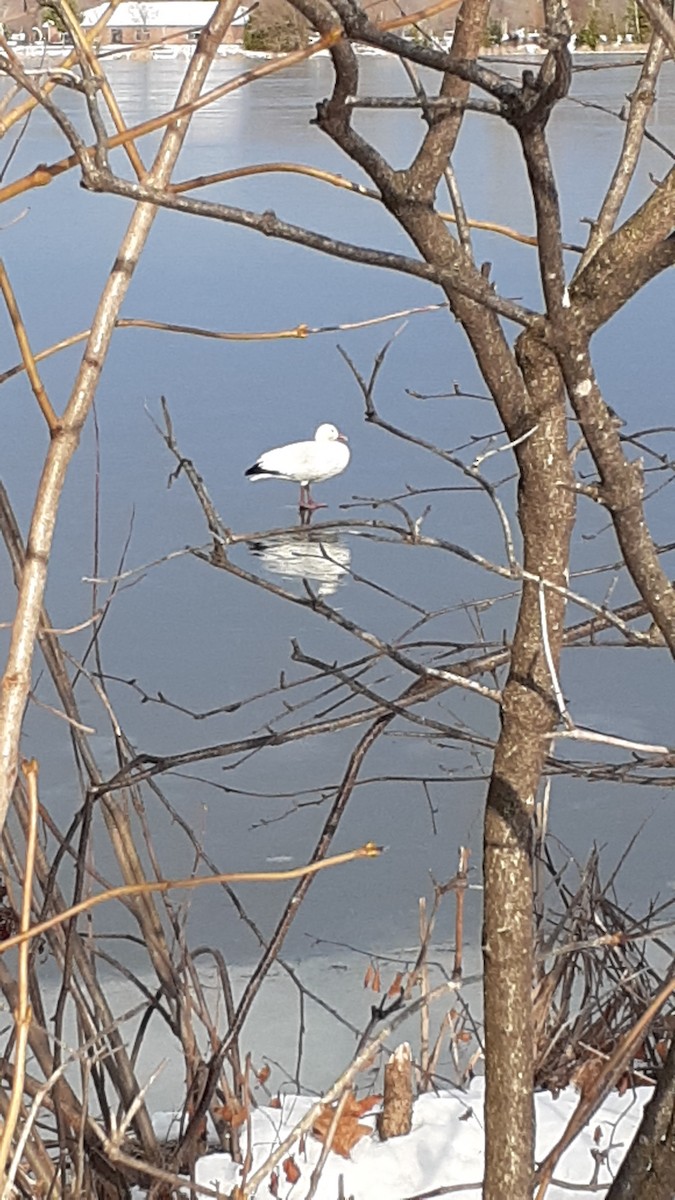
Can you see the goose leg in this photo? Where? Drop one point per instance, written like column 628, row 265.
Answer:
column 308, row 504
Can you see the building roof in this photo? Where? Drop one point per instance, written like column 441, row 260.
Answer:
column 142, row 14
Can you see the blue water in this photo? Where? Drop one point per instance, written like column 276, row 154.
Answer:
column 203, row 639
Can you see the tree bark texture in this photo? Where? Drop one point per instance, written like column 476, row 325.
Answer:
column 546, row 510
column 648, row 1170
column 395, row 1120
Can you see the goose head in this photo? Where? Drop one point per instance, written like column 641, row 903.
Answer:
column 329, row 433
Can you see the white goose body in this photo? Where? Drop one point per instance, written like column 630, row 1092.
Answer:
column 305, row 462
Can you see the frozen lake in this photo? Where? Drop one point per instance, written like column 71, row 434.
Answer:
column 205, row 640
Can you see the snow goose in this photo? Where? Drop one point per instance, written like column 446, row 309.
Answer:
column 305, row 462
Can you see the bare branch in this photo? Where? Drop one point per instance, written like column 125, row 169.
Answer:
column 370, row 850
column 65, row 440
column 641, row 103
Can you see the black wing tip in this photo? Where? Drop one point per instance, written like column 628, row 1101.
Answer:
column 256, row 471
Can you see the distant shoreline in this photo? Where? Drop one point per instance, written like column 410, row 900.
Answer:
column 519, row 54
column 528, row 49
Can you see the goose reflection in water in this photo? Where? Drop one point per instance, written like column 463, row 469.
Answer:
column 321, row 558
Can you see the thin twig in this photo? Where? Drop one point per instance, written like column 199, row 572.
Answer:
column 369, row 850
column 22, row 1014
column 36, row 383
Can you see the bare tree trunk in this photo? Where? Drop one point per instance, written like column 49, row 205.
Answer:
column 528, row 714
column 531, row 399
column 648, row 1170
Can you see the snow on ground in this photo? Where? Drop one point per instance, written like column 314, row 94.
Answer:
column 445, row 1147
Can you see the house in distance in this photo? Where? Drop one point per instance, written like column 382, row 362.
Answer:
column 169, row 21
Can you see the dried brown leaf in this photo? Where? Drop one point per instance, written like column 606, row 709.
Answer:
column 291, row 1169
column 396, row 985
column 233, row 1114
column 348, row 1130
column 357, row 1108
